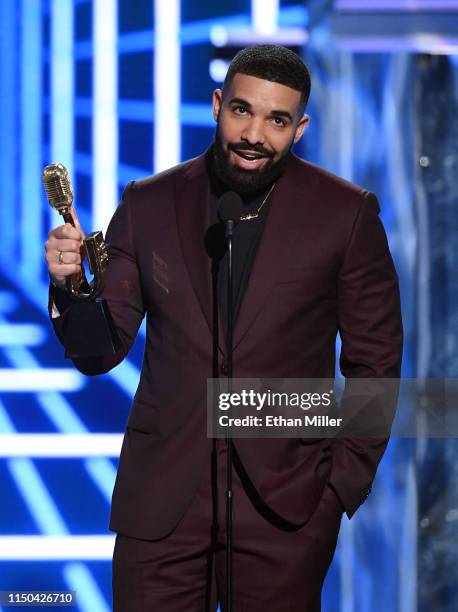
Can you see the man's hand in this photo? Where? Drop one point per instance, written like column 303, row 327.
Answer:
column 65, row 252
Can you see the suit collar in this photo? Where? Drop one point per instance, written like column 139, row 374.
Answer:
column 273, row 254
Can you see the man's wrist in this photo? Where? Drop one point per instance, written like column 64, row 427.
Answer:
column 57, row 284
column 77, row 281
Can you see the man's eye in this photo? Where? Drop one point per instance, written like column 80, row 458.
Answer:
column 279, row 122
column 241, row 110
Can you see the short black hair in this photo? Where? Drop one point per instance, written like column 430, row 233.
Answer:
column 272, row 63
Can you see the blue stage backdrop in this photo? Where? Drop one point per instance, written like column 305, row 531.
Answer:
column 119, row 89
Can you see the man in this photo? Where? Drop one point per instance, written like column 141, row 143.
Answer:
column 311, row 259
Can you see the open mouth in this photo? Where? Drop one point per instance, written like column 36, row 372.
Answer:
column 250, row 160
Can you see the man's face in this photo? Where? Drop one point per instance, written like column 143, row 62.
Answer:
column 257, row 124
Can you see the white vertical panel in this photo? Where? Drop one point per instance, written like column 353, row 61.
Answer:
column 167, row 140
column 346, row 152
column 62, row 89
column 62, row 85
column 264, row 15
column 105, row 126
column 347, row 122
column 31, row 194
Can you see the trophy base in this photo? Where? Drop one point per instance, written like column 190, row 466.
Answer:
column 89, row 330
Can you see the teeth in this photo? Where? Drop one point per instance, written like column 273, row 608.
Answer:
column 250, row 157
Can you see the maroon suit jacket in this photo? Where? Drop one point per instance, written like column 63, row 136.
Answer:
column 322, row 266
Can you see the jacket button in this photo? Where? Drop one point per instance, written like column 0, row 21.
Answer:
column 224, row 368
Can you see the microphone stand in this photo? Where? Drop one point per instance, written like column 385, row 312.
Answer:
column 229, row 461
column 229, row 210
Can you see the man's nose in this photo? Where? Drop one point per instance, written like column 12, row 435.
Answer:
column 253, row 133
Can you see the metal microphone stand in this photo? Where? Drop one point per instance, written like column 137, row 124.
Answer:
column 229, row 492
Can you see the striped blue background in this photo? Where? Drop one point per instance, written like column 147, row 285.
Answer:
column 80, row 83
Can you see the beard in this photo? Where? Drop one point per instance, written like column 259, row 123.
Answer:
column 245, row 182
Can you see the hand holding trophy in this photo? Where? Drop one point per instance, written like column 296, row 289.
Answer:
column 60, row 197
column 88, row 328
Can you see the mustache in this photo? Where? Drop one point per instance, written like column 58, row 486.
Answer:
column 244, row 146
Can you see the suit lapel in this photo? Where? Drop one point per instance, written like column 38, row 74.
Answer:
column 192, row 202
column 274, row 249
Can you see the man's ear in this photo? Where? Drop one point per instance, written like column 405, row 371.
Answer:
column 304, row 121
column 217, row 103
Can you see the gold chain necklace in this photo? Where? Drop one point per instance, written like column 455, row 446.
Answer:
column 255, row 215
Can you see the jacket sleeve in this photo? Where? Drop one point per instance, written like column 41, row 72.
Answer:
column 370, row 326
column 121, row 289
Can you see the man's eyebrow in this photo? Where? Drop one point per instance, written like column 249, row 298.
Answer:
column 282, row 113
column 274, row 113
column 240, row 101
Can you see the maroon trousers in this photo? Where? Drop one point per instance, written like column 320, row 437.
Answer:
column 275, row 568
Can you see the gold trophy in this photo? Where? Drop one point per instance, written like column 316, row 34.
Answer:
column 60, row 196
column 89, row 329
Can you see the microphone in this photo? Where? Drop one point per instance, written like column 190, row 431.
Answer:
column 230, row 208
column 59, row 190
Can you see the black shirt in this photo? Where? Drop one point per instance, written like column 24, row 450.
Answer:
column 245, row 242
